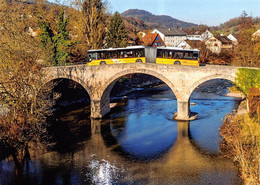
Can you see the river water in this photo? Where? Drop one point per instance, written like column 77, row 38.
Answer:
column 138, row 143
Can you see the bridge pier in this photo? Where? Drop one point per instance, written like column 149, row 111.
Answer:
column 99, row 108
column 183, row 111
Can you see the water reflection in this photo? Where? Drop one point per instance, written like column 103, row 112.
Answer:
column 100, row 163
column 137, row 144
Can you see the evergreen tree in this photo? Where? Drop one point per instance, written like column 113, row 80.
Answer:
column 47, row 43
column 117, row 35
column 61, row 40
column 56, row 45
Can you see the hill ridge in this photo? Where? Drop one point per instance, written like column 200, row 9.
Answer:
column 156, row 21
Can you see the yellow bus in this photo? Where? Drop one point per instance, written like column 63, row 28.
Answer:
column 144, row 54
column 130, row 54
column 177, row 56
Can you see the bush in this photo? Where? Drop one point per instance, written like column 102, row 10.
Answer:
column 253, row 101
column 241, row 142
column 247, row 78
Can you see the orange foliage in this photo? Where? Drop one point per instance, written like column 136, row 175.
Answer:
column 253, row 101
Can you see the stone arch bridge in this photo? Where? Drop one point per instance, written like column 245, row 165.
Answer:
column 99, row 81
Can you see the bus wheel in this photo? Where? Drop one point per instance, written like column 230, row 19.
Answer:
column 138, row 61
column 177, row 63
column 102, row 63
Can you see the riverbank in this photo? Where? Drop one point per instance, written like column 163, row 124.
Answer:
column 241, row 143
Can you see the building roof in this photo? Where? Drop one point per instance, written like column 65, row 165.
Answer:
column 233, row 35
column 194, row 32
column 172, row 32
column 224, row 39
column 149, row 39
column 257, row 33
column 194, row 43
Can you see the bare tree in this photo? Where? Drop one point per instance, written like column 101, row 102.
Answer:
column 88, row 25
column 23, row 95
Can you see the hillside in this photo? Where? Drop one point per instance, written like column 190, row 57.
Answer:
column 135, row 23
column 232, row 26
column 156, row 21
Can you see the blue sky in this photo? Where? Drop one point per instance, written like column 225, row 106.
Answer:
column 209, row 12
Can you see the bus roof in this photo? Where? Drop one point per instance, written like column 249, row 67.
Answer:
column 114, row 49
column 177, row 48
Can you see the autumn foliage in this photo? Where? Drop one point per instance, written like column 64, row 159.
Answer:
column 253, row 101
column 24, row 98
column 241, row 142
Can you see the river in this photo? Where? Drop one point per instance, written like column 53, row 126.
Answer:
column 138, row 143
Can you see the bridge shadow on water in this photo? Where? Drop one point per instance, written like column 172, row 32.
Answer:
column 90, row 152
column 133, row 144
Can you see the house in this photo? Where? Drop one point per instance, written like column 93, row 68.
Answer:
column 218, row 44
column 183, row 44
column 190, row 44
column 153, row 39
column 33, row 33
column 213, row 44
column 206, row 35
column 194, row 35
column 226, row 43
column 171, row 36
column 37, row 33
column 233, row 39
column 256, row 34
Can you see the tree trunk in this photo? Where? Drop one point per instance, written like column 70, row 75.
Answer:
column 18, row 164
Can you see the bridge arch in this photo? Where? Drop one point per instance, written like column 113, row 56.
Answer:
column 205, row 79
column 73, row 78
column 183, row 106
column 111, row 82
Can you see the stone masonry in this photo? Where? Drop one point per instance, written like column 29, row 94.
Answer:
column 99, row 81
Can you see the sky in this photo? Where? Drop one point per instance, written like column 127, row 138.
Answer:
column 209, row 12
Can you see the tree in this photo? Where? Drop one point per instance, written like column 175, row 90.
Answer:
column 247, row 52
column 95, row 22
column 247, row 78
column 56, row 44
column 95, row 15
column 88, row 25
column 47, row 43
column 117, row 35
column 24, row 98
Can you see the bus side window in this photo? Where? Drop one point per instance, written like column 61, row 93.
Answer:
column 141, row 53
column 121, row 54
column 125, row 54
column 187, row 55
column 109, row 55
column 178, row 55
column 129, row 54
column 159, row 53
column 166, row 54
column 195, row 55
column 103, row 55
